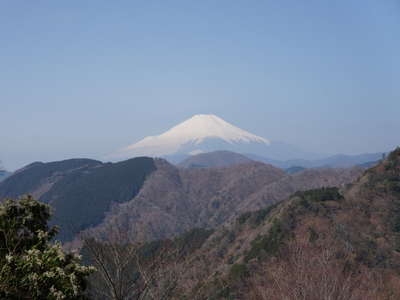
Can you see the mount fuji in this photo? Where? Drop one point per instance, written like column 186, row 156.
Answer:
column 206, row 133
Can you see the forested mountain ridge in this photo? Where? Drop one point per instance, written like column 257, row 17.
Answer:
column 175, row 200
column 169, row 201
column 38, row 177
column 80, row 191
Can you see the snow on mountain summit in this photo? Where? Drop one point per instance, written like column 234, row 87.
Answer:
column 191, row 135
column 200, row 127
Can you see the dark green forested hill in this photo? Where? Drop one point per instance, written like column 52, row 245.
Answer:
column 33, row 176
column 80, row 191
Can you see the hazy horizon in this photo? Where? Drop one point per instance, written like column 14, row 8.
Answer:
column 82, row 80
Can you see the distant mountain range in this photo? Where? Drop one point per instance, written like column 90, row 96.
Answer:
column 335, row 161
column 226, row 158
column 208, row 133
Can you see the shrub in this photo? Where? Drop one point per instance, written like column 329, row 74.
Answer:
column 30, row 266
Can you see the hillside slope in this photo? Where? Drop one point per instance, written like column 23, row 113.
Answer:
column 175, row 200
column 324, row 243
column 80, row 191
column 37, row 178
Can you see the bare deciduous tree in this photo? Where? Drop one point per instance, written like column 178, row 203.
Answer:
column 310, row 272
column 129, row 270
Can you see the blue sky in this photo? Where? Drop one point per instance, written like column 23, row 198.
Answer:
column 83, row 78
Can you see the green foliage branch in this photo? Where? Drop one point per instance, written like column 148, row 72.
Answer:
column 31, row 266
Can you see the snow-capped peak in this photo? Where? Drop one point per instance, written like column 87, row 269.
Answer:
column 200, row 127
column 192, row 131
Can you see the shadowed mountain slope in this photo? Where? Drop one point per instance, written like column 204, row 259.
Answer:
column 80, row 191
column 37, row 178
